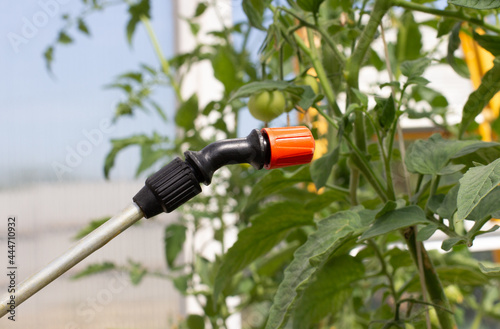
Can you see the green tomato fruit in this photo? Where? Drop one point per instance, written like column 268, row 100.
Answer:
column 310, row 81
column 267, row 105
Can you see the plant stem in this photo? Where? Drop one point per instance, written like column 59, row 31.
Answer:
column 477, row 226
column 445, row 229
column 397, row 127
column 386, row 273
column 446, row 13
column 432, row 282
column 353, row 187
column 353, row 67
column 312, row 52
column 476, row 324
column 164, row 63
column 434, row 186
column 365, row 167
column 337, row 188
column 324, row 35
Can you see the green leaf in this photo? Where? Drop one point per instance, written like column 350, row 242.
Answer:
column 478, row 99
column 477, row 4
column 445, row 26
column 430, row 157
column 275, row 261
column 181, row 283
column 64, row 38
column 451, row 242
column 487, row 206
column 200, row 9
column 390, row 206
column 489, row 42
column 48, row 55
column 269, row 227
column 90, row 227
column 94, row 269
column 319, row 202
column 491, row 270
column 175, row 235
column 158, row 110
column 141, row 8
column 449, row 204
column 461, row 275
column 322, row 168
column 324, row 295
column 254, row 9
column 149, row 157
column 136, row 272
column 426, row 232
column 399, row 258
column 475, row 185
column 415, row 68
column 310, row 5
column 83, row 27
column 451, row 169
column 431, row 96
column 136, row 76
column 482, row 153
column 409, row 41
column 419, row 81
column 274, row 181
column 187, row 113
column 225, row 70
column 332, row 233
column 386, row 112
column 361, row 97
column 395, row 220
column 195, row 321
column 119, row 145
column 453, row 44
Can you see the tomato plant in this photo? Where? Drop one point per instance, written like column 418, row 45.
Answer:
column 351, row 255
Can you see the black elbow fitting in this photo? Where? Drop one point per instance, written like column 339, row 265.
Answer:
column 253, row 149
column 179, row 181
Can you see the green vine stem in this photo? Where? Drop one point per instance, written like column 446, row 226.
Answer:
column 446, row 13
column 312, row 53
column 432, row 282
column 353, row 67
column 386, row 273
column 363, row 164
column 164, row 63
column 324, row 35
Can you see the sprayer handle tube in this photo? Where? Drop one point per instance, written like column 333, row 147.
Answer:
column 83, row 248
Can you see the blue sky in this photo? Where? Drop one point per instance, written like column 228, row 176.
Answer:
column 42, row 116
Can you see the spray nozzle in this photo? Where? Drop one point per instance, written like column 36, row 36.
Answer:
column 179, row 181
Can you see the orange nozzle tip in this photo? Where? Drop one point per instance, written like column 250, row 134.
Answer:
column 289, row 146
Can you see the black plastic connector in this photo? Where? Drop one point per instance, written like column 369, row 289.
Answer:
column 179, row 181
column 167, row 189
